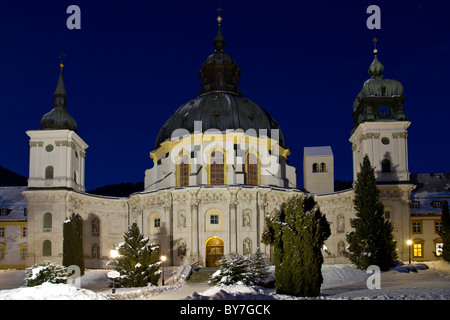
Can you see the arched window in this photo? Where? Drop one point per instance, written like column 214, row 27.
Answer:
column 323, row 167
column 217, row 168
column 47, row 248
column 252, row 169
column 183, row 171
column 315, row 167
column 49, row 172
column 385, row 166
column 47, row 221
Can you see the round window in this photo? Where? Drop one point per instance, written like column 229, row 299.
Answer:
column 49, row 148
column 385, row 140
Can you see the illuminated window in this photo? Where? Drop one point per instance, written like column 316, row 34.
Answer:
column 217, row 168
column 323, row 167
column 417, row 249
column 439, row 247
column 183, row 171
column 252, row 169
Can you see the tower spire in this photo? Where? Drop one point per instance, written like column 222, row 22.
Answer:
column 219, row 41
column 60, row 92
column 58, row 117
column 376, row 68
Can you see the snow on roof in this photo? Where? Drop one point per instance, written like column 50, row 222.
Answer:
column 12, row 198
column 318, row 151
column 431, row 184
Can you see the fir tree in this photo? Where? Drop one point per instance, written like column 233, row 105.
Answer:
column 297, row 233
column 73, row 242
column 137, row 262
column 232, row 270
column 259, row 268
column 372, row 241
column 445, row 232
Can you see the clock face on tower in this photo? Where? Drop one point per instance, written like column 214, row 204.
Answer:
column 384, row 111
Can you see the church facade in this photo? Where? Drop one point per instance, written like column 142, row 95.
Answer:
column 220, row 168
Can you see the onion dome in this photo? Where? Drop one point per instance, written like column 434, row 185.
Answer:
column 220, row 104
column 58, row 117
column 380, row 99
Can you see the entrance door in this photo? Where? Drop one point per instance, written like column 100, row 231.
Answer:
column 214, row 251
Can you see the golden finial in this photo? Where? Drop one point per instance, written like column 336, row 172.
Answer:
column 219, row 18
column 374, row 40
column 61, row 57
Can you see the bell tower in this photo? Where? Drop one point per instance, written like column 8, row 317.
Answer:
column 56, row 151
column 380, row 126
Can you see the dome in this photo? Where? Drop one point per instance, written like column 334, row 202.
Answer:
column 58, row 118
column 221, row 111
column 220, row 104
column 377, row 86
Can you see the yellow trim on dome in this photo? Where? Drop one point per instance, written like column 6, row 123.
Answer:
column 224, row 138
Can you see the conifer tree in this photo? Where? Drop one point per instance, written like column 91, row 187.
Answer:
column 258, row 267
column 232, row 270
column 445, row 231
column 297, row 233
column 372, row 241
column 137, row 262
column 73, row 242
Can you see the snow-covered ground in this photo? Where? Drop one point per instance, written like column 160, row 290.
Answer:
column 424, row 281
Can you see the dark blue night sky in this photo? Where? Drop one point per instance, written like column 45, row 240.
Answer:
column 133, row 63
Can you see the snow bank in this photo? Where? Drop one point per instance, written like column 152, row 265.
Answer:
column 442, row 268
column 233, row 292
column 336, row 274
column 51, row 291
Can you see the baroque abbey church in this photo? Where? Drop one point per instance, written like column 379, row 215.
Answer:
column 220, row 168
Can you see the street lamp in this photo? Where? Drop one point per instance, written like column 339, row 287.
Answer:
column 163, row 259
column 113, row 274
column 409, row 243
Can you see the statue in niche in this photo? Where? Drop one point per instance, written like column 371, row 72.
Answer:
column 341, row 248
column 247, row 246
column 246, row 219
column 340, row 224
column 181, row 247
column 181, row 220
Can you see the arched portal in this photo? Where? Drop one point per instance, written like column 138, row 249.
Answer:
column 213, row 251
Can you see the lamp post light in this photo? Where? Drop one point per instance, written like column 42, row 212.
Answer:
column 409, row 243
column 163, row 259
column 113, row 274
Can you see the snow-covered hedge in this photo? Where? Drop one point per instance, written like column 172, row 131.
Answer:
column 45, row 272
